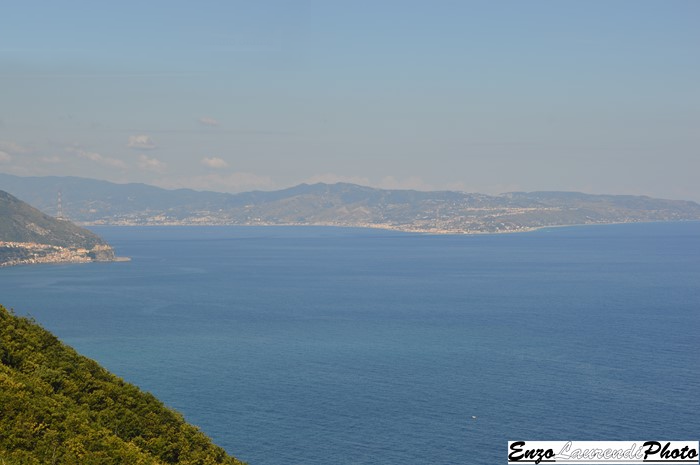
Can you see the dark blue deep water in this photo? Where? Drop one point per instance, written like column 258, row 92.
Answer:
column 348, row 346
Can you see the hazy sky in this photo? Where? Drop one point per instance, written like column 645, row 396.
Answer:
column 487, row 96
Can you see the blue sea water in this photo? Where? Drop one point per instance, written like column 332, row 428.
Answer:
column 296, row 345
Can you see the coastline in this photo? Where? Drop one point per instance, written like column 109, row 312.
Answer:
column 383, row 227
column 31, row 253
column 21, row 253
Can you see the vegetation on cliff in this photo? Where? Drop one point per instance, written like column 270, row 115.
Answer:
column 58, row 407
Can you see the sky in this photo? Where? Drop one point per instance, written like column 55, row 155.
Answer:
column 484, row 96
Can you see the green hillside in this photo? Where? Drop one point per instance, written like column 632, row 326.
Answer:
column 30, row 236
column 20, row 222
column 58, row 407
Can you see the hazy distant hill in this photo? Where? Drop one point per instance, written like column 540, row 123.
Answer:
column 30, row 236
column 99, row 202
column 20, row 222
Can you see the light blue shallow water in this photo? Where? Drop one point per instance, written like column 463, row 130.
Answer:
column 349, row 346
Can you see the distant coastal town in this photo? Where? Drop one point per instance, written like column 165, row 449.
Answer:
column 30, row 253
column 89, row 202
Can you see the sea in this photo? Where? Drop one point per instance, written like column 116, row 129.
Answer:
column 331, row 346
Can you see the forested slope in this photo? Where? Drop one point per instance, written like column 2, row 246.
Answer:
column 58, row 407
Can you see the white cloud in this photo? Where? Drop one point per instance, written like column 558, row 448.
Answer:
column 330, row 178
column 141, row 142
column 52, row 160
column 233, row 182
column 412, row 182
column 214, row 162
column 5, row 157
column 10, row 147
column 208, row 121
column 98, row 158
column 457, row 187
column 151, row 164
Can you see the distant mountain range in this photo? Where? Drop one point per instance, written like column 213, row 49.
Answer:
column 30, row 236
column 92, row 202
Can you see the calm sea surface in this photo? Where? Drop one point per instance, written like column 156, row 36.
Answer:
column 348, row 346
